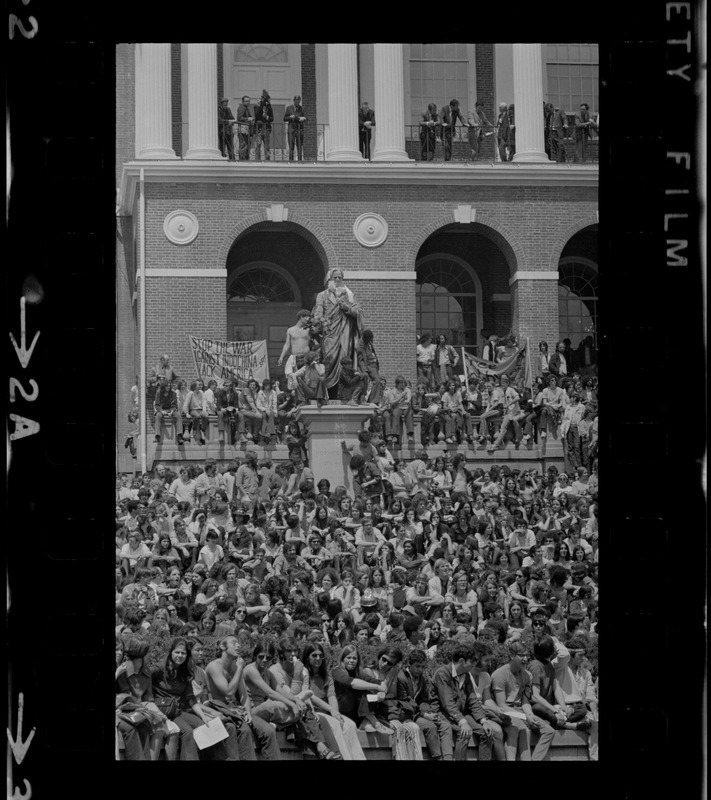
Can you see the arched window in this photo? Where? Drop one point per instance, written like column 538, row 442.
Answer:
column 577, row 300
column 448, row 300
column 262, row 284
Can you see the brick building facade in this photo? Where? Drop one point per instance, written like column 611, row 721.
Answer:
column 504, row 226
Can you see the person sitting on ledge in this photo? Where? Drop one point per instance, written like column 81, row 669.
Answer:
column 351, row 384
column 311, row 384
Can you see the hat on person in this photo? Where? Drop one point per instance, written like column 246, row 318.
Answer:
column 368, row 601
column 265, row 94
column 225, row 100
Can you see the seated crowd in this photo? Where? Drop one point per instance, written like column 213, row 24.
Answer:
column 437, row 600
column 486, row 411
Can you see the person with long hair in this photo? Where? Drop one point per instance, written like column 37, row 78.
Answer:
column 173, row 692
column 134, row 683
column 318, row 680
column 352, row 685
column 274, row 702
column 463, row 596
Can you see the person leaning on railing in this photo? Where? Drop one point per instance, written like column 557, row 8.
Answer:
column 476, row 120
column 295, row 116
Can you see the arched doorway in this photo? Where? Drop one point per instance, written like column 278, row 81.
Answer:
column 273, row 270
column 577, row 299
column 260, row 297
column 449, row 300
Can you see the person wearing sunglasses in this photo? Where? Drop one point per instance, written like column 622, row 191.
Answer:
column 400, row 707
column 317, row 679
column 274, row 703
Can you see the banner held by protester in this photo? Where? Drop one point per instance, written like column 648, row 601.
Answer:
column 237, row 361
column 517, row 366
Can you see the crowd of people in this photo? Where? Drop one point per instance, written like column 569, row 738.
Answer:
column 437, row 598
column 254, row 124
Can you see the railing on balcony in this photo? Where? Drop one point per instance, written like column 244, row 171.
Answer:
column 279, row 141
column 308, row 142
column 483, row 143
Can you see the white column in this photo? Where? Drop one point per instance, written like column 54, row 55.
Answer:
column 202, row 102
column 389, row 102
column 343, row 103
column 154, row 137
column 528, row 102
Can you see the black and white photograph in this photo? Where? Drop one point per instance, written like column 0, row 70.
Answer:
column 333, row 318
column 357, row 401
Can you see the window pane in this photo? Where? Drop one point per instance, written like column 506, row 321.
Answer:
column 426, row 51
column 575, row 70
column 461, row 51
column 439, row 89
column 427, row 69
column 574, row 52
column 450, row 50
column 437, row 51
column 565, row 89
column 551, row 52
column 585, row 53
column 415, row 51
column 427, row 322
column 438, row 70
column 562, row 52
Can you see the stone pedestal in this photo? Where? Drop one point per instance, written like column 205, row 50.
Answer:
column 328, row 427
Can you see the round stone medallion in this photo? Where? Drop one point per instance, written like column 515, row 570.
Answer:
column 180, row 227
column 370, row 230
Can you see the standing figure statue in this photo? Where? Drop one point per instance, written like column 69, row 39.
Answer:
column 342, row 321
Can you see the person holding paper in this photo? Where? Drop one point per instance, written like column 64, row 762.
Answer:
column 174, row 680
column 228, row 694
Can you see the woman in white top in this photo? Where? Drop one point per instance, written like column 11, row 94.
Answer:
column 267, row 406
column 442, row 478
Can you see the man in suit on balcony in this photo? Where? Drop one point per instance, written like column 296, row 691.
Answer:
column 245, row 122
column 263, row 118
column 429, row 127
column 502, row 130
column 476, row 120
column 366, row 123
column 295, row 116
column 559, row 133
column 449, row 115
column 226, row 120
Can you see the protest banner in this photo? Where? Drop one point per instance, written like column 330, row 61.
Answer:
column 237, row 361
column 516, row 367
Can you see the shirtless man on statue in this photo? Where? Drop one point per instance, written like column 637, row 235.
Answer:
column 296, row 345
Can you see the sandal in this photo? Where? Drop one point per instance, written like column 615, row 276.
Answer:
column 330, row 755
